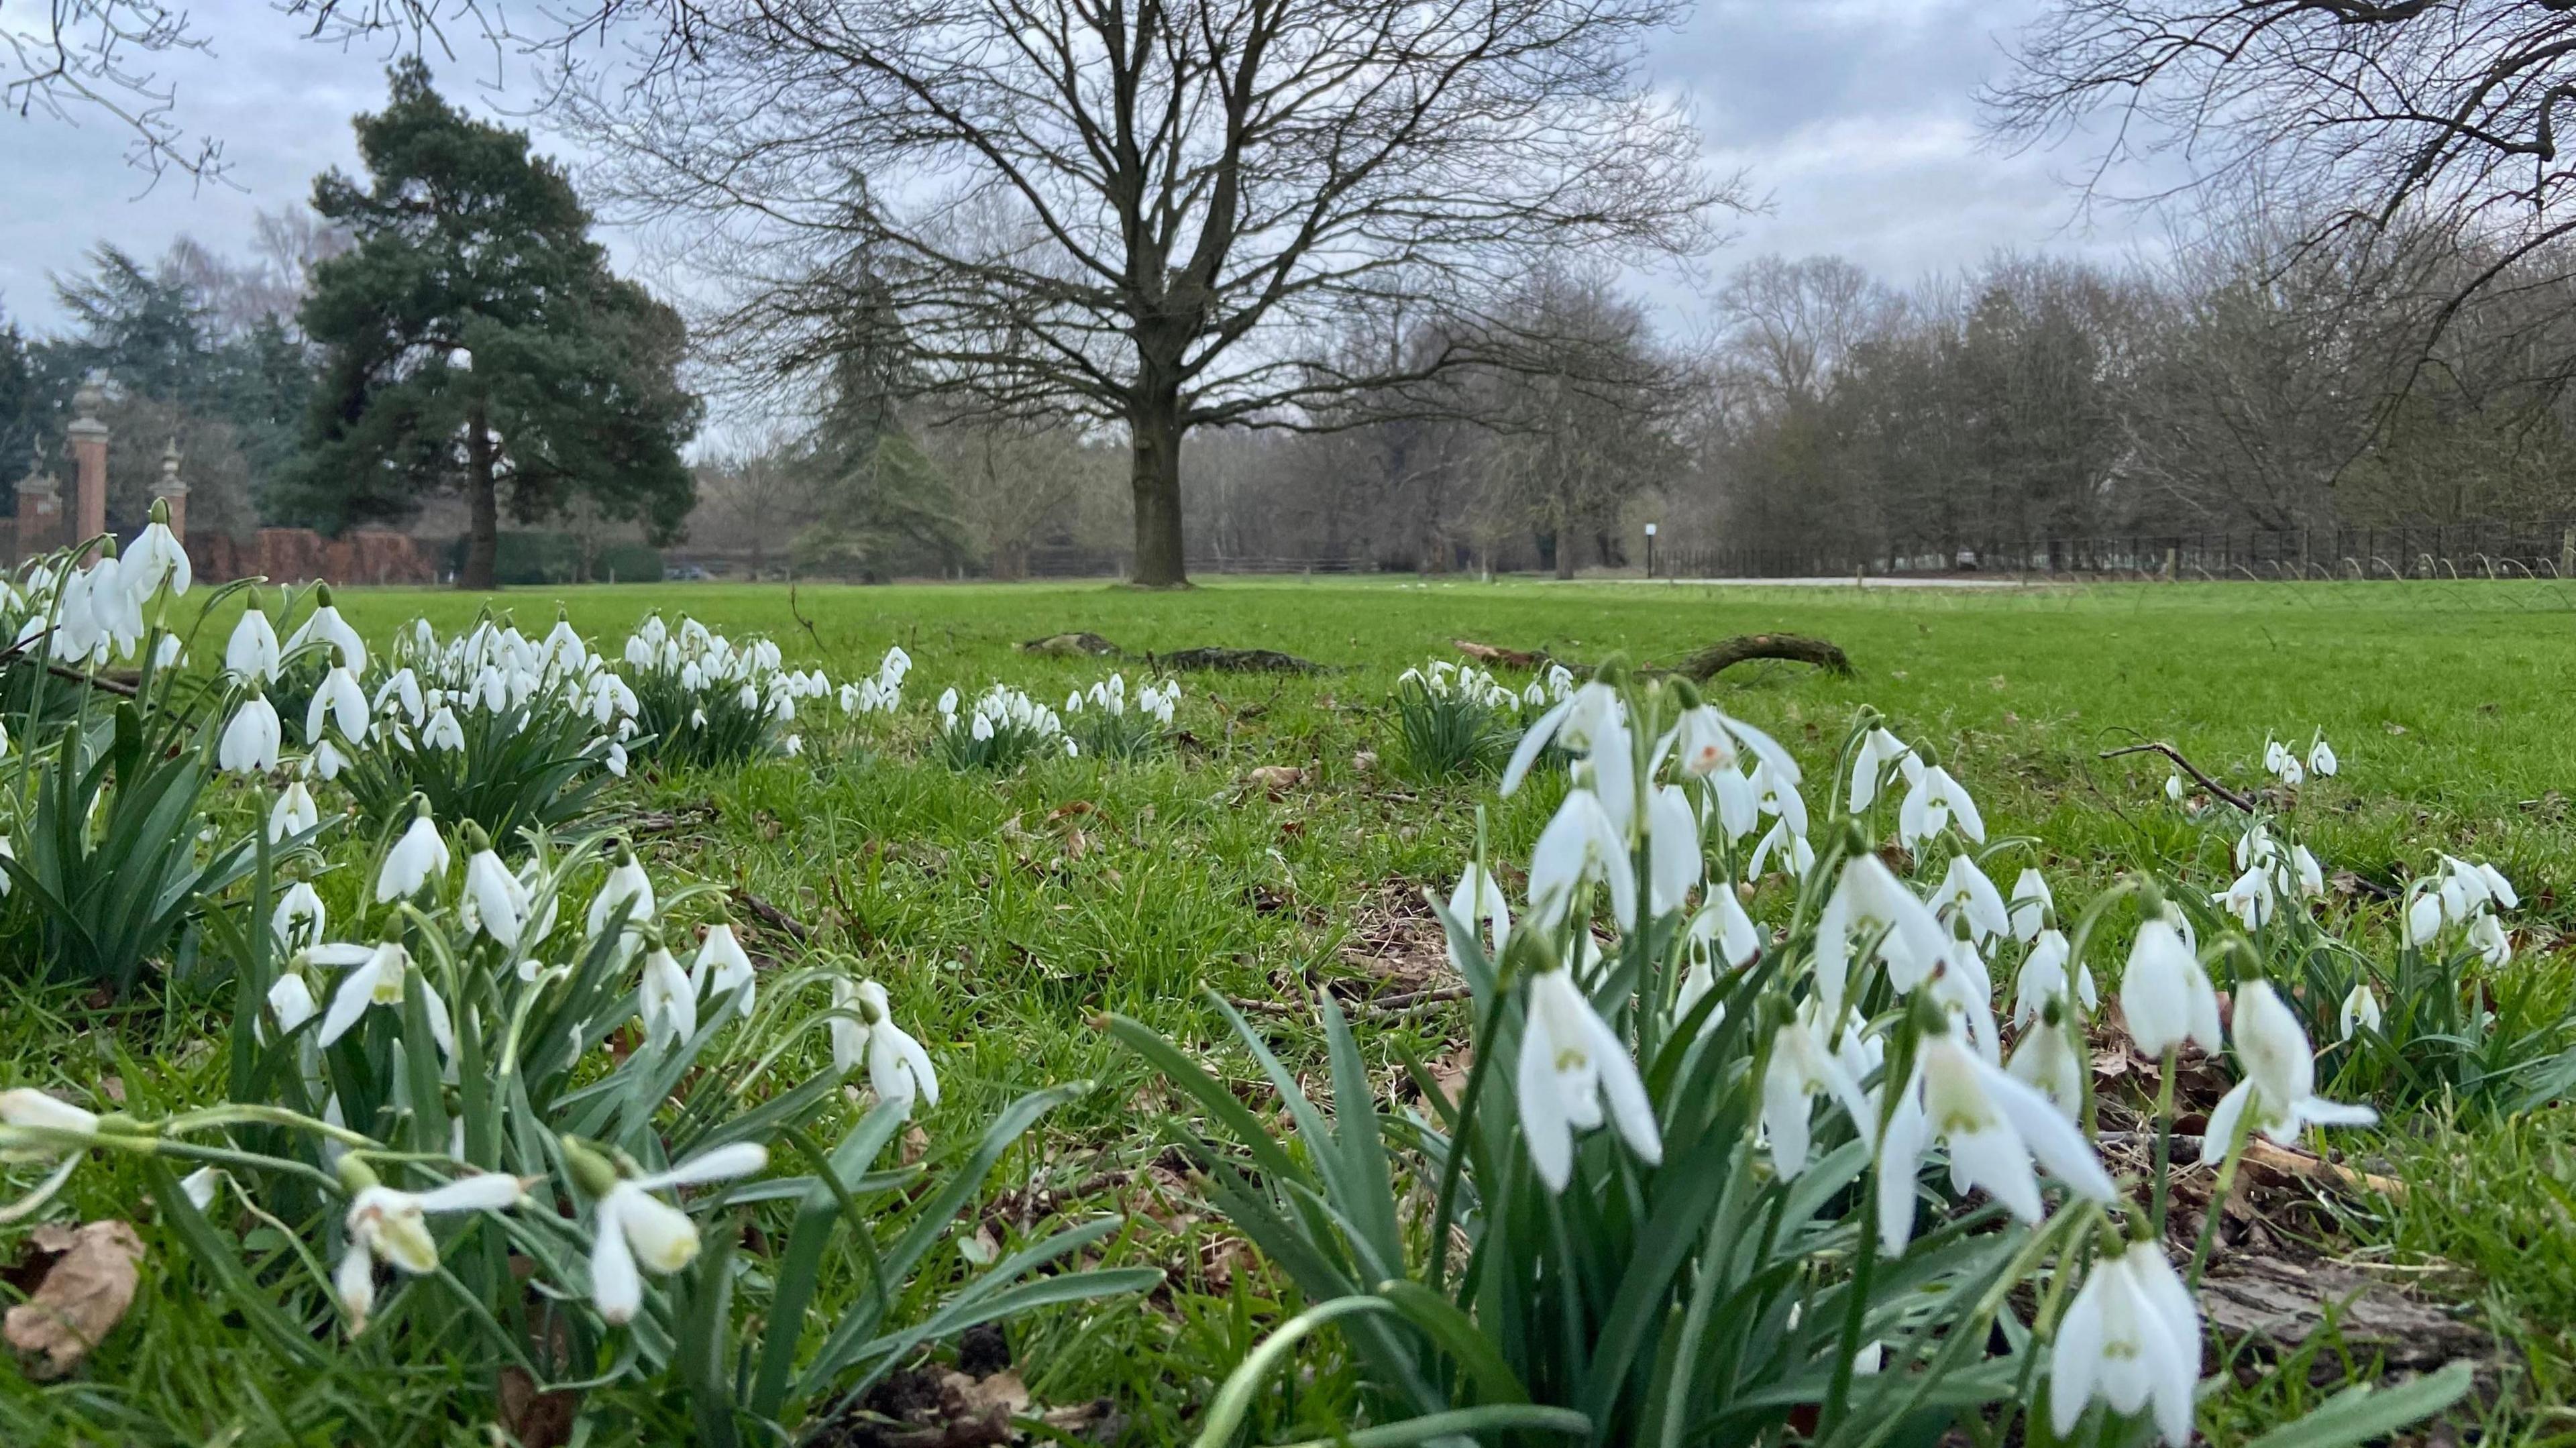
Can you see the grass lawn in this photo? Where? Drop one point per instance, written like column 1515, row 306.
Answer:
column 1004, row 915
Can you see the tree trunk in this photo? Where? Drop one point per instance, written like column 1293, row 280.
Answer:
column 1564, row 526
column 1154, row 434
column 483, row 508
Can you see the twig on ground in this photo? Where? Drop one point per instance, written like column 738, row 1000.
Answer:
column 2244, row 802
column 1384, row 1008
column 771, row 916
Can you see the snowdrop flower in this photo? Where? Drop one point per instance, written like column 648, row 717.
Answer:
column 386, row 1225
column 1930, row 805
column 250, row 741
column 298, row 919
column 2360, row 1009
column 76, row 631
column 27, row 1109
column 1581, row 844
column 1705, row 744
column 1574, row 724
column 340, row 701
column 415, row 859
column 252, row 651
column 1675, row 865
column 1738, row 812
column 157, row 558
column 2130, row 1337
column 2043, row 974
column 294, row 812
column 898, row 1068
column 118, row 611
column 1478, row 900
column 722, row 966
column 443, row 731
column 1966, row 893
column 1995, row 1126
column 497, row 901
column 327, row 626
column 1869, row 899
column 1722, row 931
column 792, row 746
column 2424, row 918
column 1878, row 750
column 2165, row 993
column 379, row 979
column 2307, row 873
column 2044, row 1059
column 290, row 1001
column 2249, row 898
column 1798, row 1070
column 167, row 654
column 2486, row 935
column 1570, row 1063
column 2280, row 1082
column 2284, row 765
column 200, row 1186
column 2321, row 758
column 633, row 1229
column 2173, row 786
column 666, row 1004
column 627, row 886
column 2032, row 904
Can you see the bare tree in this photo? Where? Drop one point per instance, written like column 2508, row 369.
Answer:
column 1189, row 185
column 2378, row 122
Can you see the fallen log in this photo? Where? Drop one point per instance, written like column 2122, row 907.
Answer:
column 1070, row 645
column 1234, row 661
column 1219, row 660
column 1698, row 667
column 1725, row 654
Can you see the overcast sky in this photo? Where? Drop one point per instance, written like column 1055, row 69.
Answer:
column 1854, row 119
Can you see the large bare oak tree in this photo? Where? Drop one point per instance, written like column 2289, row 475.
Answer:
column 1147, row 211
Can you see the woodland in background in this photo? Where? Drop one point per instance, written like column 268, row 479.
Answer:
column 1831, row 420
column 1834, row 420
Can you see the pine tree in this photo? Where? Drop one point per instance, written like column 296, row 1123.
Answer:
column 476, row 341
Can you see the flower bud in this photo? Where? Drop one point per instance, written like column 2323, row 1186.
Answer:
column 595, row 1174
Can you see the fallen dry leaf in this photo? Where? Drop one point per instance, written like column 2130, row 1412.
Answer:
column 1276, row 778
column 1449, row 1072
column 83, row 1296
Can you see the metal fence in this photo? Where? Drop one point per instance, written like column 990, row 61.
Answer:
column 2484, row 549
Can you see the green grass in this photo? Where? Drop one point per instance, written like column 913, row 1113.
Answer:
column 1005, row 913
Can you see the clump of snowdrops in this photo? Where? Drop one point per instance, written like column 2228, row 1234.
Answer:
column 508, row 1108
column 999, row 729
column 704, row 700
column 110, row 853
column 2424, row 1004
column 1456, row 720
column 1105, row 723
column 1710, row 1173
column 881, row 692
column 489, row 725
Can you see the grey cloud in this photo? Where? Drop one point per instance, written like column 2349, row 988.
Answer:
column 1855, row 118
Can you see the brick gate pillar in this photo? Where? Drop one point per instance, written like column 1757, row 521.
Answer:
column 89, row 458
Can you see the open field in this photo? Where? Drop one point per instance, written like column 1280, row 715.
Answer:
column 1005, row 915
